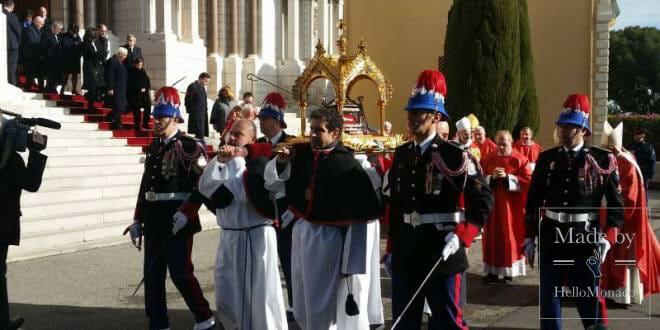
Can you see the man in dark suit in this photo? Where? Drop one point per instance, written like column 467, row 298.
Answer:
column 13, row 40
column 134, row 52
column 102, row 43
column 116, row 82
column 197, row 107
column 32, row 55
column 15, row 178
column 52, row 53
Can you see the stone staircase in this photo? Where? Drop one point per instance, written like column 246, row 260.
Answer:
column 89, row 187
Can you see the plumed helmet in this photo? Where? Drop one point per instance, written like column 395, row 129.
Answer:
column 166, row 103
column 576, row 112
column 274, row 106
column 429, row 93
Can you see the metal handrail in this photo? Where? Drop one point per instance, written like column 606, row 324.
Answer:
column 253, row 77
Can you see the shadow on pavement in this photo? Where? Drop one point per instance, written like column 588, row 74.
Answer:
column 514, row 295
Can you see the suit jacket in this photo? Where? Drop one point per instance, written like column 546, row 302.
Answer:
column 52, row 50
column 31, row 44
column 195, row 99
column 15, row 178
column 103, row 46
column 116, row 79
column 132, row 55
column 282, row 138
column 14, row 31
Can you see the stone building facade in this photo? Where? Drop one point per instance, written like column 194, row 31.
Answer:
column 227, row 38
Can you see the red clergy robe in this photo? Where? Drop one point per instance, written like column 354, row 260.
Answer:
column 645, row 247
column 531, row 151
column 504, row 232
column 486, row 148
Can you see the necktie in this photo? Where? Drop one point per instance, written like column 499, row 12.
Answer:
column 418, row 151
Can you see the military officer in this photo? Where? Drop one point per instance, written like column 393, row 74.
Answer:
column 569, row 183
column 166, row 210
column 424, row 183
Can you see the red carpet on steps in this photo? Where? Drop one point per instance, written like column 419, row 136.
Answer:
column 78, row 106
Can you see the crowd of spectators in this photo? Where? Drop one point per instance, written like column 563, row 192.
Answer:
column 49, row 58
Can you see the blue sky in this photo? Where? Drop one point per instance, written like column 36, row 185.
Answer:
column 638, row 12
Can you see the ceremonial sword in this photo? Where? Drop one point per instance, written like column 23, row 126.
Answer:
column 152, row 263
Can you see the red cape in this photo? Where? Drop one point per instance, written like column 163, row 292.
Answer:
column 645, row 247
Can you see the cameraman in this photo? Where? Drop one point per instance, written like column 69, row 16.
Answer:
column 14, row 177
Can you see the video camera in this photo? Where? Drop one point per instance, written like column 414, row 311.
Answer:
column 16, row 134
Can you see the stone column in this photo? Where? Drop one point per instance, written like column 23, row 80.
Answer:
column 233, row 27
column 78, row 12
column 164, row 16
column 104, row 8
column 253, row 41
column 324, row 23
column 213, row 26
column 214, row 62
column 233, row 64
column 149, row 23
column 293, row 30
column 90, row 13
column 600, row 66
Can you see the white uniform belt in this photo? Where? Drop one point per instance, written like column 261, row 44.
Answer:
column 571, row 217
column 415, row 219
column 173, row 196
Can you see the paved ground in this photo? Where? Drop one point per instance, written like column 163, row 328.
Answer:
column 91, row 290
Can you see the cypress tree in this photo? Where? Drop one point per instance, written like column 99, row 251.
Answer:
column 489, row 65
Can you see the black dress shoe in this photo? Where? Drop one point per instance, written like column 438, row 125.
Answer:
column 15, row 323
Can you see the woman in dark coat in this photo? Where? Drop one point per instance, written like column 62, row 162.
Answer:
column 71, row 53
column 93, row 67
column 222, row 108
column 138, row 93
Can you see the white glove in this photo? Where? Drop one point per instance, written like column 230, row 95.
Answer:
column 529, row 250
column 603, row 246
column 135, row 231
column 386, row 260
column 452, row 244
column 180, row 221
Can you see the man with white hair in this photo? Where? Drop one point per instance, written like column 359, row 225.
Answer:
column 31, row 52
column 115, row 81
column 481, row 141
column 52, row 55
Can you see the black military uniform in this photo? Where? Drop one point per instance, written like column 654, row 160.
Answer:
column 570, row 185
column 425, row 191
column 169, row 184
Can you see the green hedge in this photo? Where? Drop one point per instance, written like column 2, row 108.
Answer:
column 630, row 122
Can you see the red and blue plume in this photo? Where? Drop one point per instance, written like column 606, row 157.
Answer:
column 169, row 95
column 576, row 111
column 429, row 93
column 166, row 103
column 274, row 106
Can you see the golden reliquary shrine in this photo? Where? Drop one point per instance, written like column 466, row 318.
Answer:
column 343, row 71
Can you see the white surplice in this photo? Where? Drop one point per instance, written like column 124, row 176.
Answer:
column 323, row 257
column 247, row 280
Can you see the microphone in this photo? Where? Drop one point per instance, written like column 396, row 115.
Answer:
column 40, row 122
